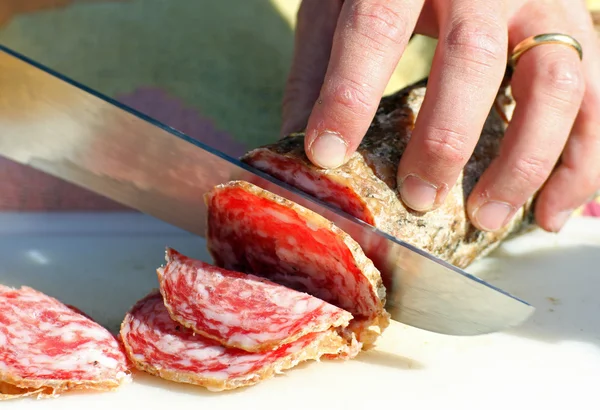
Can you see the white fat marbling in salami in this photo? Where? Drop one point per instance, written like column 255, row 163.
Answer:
column 160, row 346
column 241, row 310
column 257, row 232
column 48, row 348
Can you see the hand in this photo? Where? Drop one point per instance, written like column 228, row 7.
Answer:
column 347, row 50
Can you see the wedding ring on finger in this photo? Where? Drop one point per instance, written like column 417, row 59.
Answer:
column 547, row 38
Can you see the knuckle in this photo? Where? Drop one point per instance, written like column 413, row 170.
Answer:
column 354, row 97
column 531, row 171
column 562, row 78
column 477, row 42
column 378, row 22
column 446, row 145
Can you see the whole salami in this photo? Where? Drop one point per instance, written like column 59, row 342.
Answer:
column 365, row 186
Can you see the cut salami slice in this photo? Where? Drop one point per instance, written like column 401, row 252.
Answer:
column 47, row 348
column 160, row 346
column 366, row 187
column 240, row 310
column 257, row 232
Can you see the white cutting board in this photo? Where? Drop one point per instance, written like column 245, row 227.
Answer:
column 104, row 263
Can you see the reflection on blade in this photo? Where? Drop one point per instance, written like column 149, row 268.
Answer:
column 64, row 129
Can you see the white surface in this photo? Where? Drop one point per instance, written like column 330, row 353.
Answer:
column 104, row 263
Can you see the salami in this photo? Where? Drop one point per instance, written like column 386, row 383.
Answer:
column 365, row 186
column 47, row 348
column 257, row 232
column 239, row 310
column 160, row 346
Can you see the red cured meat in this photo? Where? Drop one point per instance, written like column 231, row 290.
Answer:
column 328, row 189
column 47, row 348
column 257, row 232
column 160, row 346
column 240, row 310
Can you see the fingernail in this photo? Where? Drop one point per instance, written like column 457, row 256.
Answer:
column 559, row 220
column 418, row 194
column 329, row 150
column 493, row 215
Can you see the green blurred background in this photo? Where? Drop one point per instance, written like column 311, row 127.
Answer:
column 214, row 69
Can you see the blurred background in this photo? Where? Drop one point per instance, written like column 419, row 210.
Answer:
column 215, row 70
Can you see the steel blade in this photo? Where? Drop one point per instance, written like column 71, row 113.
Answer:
column 65, row 129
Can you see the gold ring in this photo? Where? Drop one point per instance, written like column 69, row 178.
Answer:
column 548, row 38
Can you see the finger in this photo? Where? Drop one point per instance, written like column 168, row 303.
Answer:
column 577, row 177
column 547, row 85
column 467, row 70
column 575, row 180
column 316, row 21
column 370, row 37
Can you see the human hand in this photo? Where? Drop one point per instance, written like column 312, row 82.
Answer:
column 347, row 50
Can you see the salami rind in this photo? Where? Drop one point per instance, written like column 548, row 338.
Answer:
column 366, row 188
column 255, row 231
column 240, row 310
column 11, row 392
column 162, row 347
column 47, row 348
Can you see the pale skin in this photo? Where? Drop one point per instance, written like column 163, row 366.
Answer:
column 346, row 51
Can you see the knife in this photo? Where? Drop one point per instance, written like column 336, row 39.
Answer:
column 56, row 125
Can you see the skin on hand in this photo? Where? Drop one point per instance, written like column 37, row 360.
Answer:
column 346, row 51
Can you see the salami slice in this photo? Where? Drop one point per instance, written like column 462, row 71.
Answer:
column 366, row 188
column 240, row 310
column 257, row 232
column 47, row 348
column 160, row 346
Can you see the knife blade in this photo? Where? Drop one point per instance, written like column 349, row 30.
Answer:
column 56, row 125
